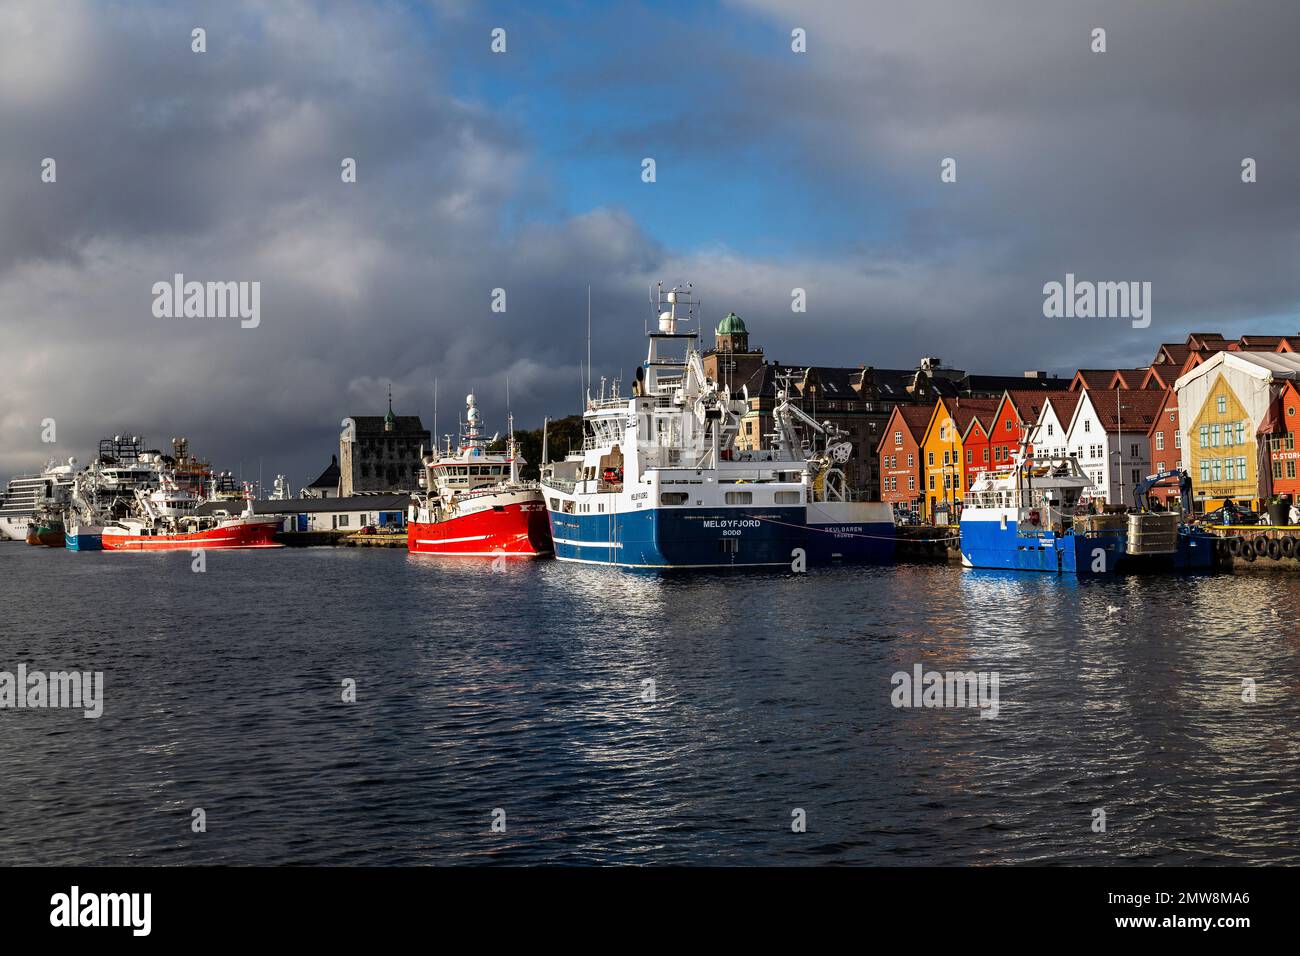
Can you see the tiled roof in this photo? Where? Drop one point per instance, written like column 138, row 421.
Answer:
column 1063, row 403
column 1097, row 377
column 1126, row 409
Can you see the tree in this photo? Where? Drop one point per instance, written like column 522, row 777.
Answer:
column 563, row 435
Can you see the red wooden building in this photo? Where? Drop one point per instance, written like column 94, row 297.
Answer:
column 899, row 452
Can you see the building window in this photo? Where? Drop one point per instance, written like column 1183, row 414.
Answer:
column 1241, row 433
column 911, row 482
column 932, row 482
column 1214, row 436
column 1223, row 405
column 1049, row 429
column 1160, row 441
column 1205, row 471
column 931, row 455
column 1008, row 423
column 1205, row 436
column 909, row 461
column 970, row 456
column 1087, row 425
column 898, row 438
column 986, row 453
column 1178, row 439
column 1241, row 469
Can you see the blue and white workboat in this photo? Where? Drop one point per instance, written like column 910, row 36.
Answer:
column 659, row 482
column 1028, row 518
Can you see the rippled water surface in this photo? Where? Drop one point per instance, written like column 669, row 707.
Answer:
column 524, row 691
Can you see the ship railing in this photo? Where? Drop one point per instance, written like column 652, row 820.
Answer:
column 561, row 484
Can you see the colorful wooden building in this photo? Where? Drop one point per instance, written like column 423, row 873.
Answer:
column 943, row 468
column 1284, row 452
column 899, row 454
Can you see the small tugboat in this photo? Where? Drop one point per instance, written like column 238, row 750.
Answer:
column 164, row 519
column 1029, row 518
column 475, row 503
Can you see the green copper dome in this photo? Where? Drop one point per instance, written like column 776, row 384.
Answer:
column 732, row 324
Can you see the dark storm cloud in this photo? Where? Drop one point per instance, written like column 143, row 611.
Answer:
column 225, row 166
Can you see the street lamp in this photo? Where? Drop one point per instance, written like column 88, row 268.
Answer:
column 1119, row 418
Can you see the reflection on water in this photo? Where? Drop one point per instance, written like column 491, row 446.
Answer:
column 526, row 690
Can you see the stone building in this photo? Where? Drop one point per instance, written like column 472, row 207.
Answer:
column 381, row 454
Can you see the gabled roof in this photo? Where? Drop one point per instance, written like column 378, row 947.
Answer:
column 912, row 418
column 1129, row 377
column 963, row 410
column 1171, row 353
column 1063, row 404
column 1029, row 405
column 1093, row 378
column 1170, row 398
column 1160, row 376
column 1123, row 409
column 329, row 478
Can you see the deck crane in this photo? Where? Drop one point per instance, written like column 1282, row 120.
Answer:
column 1141, row 492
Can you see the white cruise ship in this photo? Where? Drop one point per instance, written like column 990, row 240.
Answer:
column 26, row 493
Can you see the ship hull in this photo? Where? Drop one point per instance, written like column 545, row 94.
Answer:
column 852, row 532
column 87, row 538
column 238, row 534
column 990, row 544
column 45, row 537
column 722, row 537
column 516, row 528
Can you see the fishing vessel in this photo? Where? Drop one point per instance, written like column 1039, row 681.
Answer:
column 659, row 482
column 1029, row 517
column 25, row 495
column 105, row 490
column 475, row 503
column 164, row 519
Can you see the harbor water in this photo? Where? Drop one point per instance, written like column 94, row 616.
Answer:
column 600, row 716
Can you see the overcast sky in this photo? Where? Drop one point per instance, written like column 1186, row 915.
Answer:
column 522, row 170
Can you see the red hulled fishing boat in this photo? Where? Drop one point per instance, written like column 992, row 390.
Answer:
column 474, row 503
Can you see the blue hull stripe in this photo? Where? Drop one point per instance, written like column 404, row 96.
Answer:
column 713, row 537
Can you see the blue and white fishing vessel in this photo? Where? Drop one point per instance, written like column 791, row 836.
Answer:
column 1028, row 517
column 659, row 482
